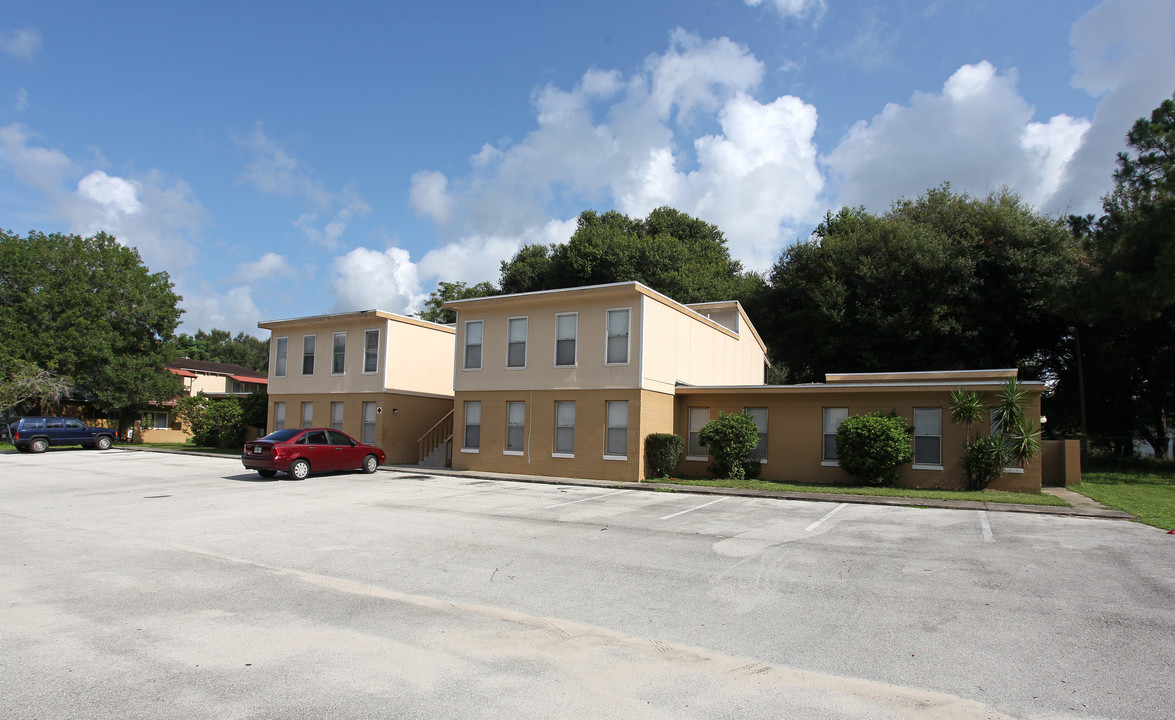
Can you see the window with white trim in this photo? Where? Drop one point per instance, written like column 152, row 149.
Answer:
column 371, row 351
column 307, row 414
column 281, row 348
column 928, row 437
column 338, row 360
column 516, row 348
column 565, row 428
column 566, row 327
column 618, row 330
column 833, row 417
column 759, row 415
column 336, row 415
column 698, row 417
column 308, row 354
column 472, row 425
column 369, row 413
column 154, row 420
column 474, row 330
column 616, row 432
column 515, row 427
column 279, row 416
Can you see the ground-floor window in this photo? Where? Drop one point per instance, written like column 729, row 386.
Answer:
column 616, row 440
column 155, row 420
column 472, row 425
column 759, row 415
column 698, row 417
column 369, row 422
column 565, row 428
column 307, row 414
column 279, row 416
column 336, row 415
column 832, row 420
column 515, row 426
column 928, row 437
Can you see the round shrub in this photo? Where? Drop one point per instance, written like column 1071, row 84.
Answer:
column 871, row 447
column 663, row 453
column 984, row 461
column 731, row 439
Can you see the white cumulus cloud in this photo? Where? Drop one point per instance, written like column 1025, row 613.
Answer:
column 364, row 279
column 793, row 8
column 23, row 44
column 977, row 133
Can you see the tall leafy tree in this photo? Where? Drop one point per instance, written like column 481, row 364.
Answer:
column 1125, row 305
column 434, row 310
column 943, row 281
column 224, row 347
column 86, row 308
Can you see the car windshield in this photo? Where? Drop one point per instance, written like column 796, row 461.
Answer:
column 282, row 435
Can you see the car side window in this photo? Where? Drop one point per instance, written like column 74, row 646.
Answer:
column 54, row 424
column 34, row 424
column 316, row 438
column 74, row 424
column 337, row 438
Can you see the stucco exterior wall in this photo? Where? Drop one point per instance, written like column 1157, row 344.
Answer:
column 404, row 418
column 682, row 347
column 795, row 431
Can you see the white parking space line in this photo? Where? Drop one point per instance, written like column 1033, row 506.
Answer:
column 683, row 512
column 594, row 497
column 481, row 492
column 834, row 511
column 985, row 526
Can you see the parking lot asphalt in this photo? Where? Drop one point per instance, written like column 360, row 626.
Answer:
column 170, row 586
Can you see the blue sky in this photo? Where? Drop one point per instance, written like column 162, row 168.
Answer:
column 289, row 159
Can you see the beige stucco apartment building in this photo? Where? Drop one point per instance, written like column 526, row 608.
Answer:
column 383, row 378
column 570, row 382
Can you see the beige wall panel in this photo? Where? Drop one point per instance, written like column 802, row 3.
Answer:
column 795, row 422
column 209, row 384
column 412, row 358
column 681, row 347
column 537, row 457
column 590, row 371
column 405, row 418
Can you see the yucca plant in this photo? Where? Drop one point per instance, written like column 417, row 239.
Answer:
column 966, row 406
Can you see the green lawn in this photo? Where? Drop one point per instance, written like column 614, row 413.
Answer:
column 191, row 448
column 984, row 496
column 1149, row 495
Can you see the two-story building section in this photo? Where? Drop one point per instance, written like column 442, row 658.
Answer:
column 569, row 382
column 381, row 377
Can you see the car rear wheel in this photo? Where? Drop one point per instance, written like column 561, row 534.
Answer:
column 300, row 469
column 370, row 463
column 267, row 473
column 39, row 445
column 103, row 442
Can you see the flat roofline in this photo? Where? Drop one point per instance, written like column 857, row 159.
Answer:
column 355, row 315
column 821, row 387
column 930, row 375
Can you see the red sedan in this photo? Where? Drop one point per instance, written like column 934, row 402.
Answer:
column 297, row 451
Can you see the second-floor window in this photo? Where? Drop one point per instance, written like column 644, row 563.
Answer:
column 338, row 357
column 617, row 352
column 308, row 354
column 565, row 330
column 279, row 357
column 473, row 336
column 516, row 352
column 371, row 351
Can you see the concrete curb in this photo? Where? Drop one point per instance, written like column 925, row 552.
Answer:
column 1084, row 511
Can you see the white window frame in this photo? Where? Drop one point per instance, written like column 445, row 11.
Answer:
column 313, row 350
column 480, row 346
column 369, row 352
column 512, row 407
column 574, row 340
column 825, row 433
column 466, row 447
column 609, row 427
column 690, row 414
column 337, row 358
column 510, row 342
column 154, row 420
column 938, row 436
column 763, row 430
column 279, row 416
column 369, row 415
column 307, row 421
column 336, row 416
column 561, row 424
column 627, row 337
column 281, row 352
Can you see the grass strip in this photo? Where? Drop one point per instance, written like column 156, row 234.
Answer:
column 1149, row 496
